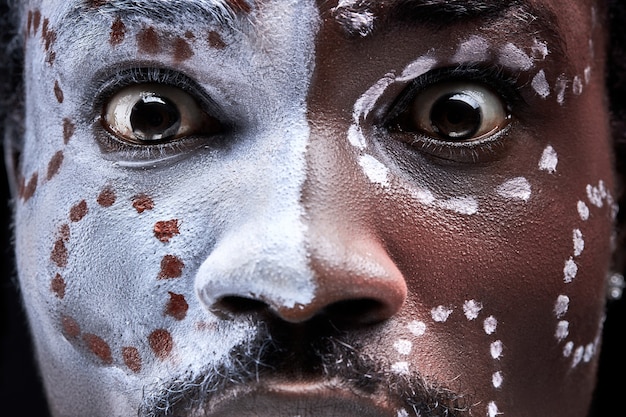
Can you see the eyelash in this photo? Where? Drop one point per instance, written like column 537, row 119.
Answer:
column 503, row 82
column 142, row 154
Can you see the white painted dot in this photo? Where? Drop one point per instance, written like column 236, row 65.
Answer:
column 440, row 314
column 560, row 87
column 403, row 346
column 423, row 196
column 594, row 194
column 356, row 137
column 583, row 210
column 562, row 330
column 568, row 349
column 490, row 325
column 374, row 169
column 579, row 242
column 590, row 349
column 513, row 57
column 516, row 189
column 578, row 355
column 540, row 84
column 418, row 328
column 471, row 308
column 364, row 105
column 561, row 306
column 549, row 160
column 402, row 413
column 417, row 68
column 496, row 349
column 577, row 86
column 492, row 409
column 401, row 368
column 474, row 49
column 587, row 74
column 569, row 270
column 463, row 205
column 497, row 379
column 540, row 49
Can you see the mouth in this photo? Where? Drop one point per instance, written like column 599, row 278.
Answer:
column 311, row 399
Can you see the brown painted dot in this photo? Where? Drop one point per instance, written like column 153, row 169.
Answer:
column 161, row 343
column 182, row 50
column 132, row 359
column 64, row 232
column 48, row 35
column 29, row 22
column 59, row 254
column 142, row 202
column 68, row 130
column 70, row 327
column 166, row 229
column 148, row 41
column 177, row 306
column 215, row 40
column 57, row 285
column 30, row 188
column 171, row 267
column 58, row 93
column 78, row 211
column 98, row 347
column 240, row 6
column 118, row 32
column 107, row 197
column 189, row 35
column 36, row 20
column 54, row 164
column 50, row 57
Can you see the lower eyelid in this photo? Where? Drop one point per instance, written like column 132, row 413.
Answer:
column 490, row 148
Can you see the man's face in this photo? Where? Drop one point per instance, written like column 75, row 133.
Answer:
column 284, row 208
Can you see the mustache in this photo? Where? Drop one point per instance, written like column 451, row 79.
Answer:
column 295, row 352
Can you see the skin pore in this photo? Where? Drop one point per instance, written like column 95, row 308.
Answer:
column 313, row 233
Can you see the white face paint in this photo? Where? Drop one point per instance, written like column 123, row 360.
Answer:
column 123, row 312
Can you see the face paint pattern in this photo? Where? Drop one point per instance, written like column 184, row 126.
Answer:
column 105, row 337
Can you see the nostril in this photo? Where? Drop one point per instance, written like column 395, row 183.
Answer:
column 236, row 305
column 357, row 311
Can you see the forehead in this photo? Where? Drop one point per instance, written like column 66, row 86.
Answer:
column 360, row 18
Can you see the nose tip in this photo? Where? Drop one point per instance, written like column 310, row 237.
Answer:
column 354, row 286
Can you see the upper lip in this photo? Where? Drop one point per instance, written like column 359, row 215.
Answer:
column 288, row 399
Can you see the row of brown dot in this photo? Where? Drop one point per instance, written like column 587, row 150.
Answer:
column 150, row 42
column 48, row 35
column 159, row 340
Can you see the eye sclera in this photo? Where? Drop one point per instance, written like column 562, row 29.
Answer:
column 470, row 107
column 118, row 118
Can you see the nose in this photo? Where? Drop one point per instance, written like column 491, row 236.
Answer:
column 349, row 279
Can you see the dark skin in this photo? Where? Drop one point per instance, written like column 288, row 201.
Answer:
column 406, row 278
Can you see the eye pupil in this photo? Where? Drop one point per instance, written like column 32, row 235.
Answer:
column 154, row 118
column 456, row 116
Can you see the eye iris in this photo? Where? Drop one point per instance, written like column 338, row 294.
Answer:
column 154, row 118
column 456, row 116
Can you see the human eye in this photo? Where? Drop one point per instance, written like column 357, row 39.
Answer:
column 460, row 114
column 153, row 114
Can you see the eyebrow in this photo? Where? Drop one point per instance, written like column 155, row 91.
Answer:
column 437, row 13
column 222, row 12
column 449, row 11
